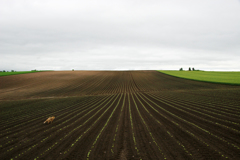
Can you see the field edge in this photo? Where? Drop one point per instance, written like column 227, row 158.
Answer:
column 225, row 83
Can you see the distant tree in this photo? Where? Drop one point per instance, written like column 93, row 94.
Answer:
column 4, row 71
column 12, row 70
column 189, row 69
column 193, row 69
column 181, row 69
column 72, row 69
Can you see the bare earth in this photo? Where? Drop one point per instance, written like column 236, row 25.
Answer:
column 117, row 115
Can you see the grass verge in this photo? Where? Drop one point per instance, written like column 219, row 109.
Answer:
column 14, row 73
column 232, row 78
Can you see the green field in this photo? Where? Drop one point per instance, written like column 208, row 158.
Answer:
column 207, row 76
column 14, row 73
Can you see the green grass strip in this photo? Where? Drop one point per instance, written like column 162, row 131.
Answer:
column 15, row 73
column 232, row 78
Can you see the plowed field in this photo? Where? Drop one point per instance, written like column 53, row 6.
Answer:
column 117, row 115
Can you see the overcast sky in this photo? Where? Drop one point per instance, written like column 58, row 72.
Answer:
column 119, row 34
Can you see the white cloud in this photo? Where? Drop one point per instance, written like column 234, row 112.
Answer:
column 168, row 34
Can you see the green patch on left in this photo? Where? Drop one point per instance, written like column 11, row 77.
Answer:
column 14, row 73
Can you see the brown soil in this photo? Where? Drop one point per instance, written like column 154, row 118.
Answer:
column 117, row 115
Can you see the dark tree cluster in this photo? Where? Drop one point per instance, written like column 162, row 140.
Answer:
column 189, row 69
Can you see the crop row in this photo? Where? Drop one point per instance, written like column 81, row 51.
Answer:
column 120, row 115
column 196, row 111
column 44, row 139
column 217, row 106
column 64, row 116
column 185, row 122
column 54, row 106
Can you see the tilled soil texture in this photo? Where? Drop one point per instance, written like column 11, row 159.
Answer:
column 117, row 115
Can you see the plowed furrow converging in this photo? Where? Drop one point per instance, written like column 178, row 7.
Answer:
column 32, row 119
column 174, row 126
column 163, row 135
column 73, row 127
column 147, row 135
column 187, row 124
column 106, row 135
column 61, row 120
column 216, row 128
column 219, row 110
column 226, row 104
column 70, row 148
column 114, row 149
column 207, row 118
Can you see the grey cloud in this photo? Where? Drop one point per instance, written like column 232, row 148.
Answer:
column 108, row 34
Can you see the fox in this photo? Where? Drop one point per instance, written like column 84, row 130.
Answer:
column 50, row 119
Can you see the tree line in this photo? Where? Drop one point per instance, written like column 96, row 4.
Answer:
column 189, row 69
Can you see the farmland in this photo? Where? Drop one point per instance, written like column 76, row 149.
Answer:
column 117, row 115
column 208, row 76
column 15, row 73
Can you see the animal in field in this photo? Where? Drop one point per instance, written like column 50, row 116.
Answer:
column 50, row 119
